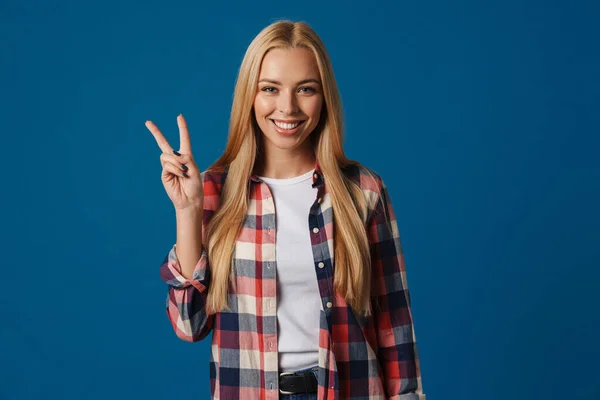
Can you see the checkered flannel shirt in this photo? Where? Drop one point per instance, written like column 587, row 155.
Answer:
column 360, row 357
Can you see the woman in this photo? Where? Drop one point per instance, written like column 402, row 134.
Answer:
column 255, row 250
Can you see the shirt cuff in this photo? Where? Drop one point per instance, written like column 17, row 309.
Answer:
column 171, row 272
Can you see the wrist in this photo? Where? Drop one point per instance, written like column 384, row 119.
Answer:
column 189, row 215
column 190, row 210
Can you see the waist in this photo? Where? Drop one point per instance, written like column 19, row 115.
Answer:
column 302, row 381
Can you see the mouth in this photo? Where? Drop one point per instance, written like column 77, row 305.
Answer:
column 289, row 127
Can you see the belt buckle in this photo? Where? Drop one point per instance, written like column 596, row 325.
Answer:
column 285, row 374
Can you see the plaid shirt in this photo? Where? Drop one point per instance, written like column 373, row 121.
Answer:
column 360, row 357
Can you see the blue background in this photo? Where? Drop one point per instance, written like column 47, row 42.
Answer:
column 482, row 120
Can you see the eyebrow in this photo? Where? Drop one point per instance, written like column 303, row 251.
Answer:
column 302, row 82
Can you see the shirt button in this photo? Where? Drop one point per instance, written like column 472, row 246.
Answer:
column 329, row 305
column 321, row 265
column 316, row 230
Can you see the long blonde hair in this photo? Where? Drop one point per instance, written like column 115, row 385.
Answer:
column 350, row 208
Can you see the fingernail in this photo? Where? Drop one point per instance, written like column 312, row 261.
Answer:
column 186, row 175
column 176, row 153
column 185, row 168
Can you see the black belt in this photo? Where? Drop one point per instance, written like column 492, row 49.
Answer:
column 294, row 383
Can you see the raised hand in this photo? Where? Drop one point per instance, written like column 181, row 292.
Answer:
column 180, row 175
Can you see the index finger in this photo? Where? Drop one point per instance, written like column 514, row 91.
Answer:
column 160, row 139
column 185, row 145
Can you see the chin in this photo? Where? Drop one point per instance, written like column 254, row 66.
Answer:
column 286, row 144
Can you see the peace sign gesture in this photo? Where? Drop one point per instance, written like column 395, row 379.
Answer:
column 180, row 175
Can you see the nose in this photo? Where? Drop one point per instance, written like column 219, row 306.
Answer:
column 287, row 103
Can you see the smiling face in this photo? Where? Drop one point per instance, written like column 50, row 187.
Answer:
column 289, row 98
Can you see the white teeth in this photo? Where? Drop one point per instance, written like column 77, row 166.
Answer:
column 286, row 126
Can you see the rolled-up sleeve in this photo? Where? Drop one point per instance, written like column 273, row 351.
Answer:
column 186, row 298
column 397, row 351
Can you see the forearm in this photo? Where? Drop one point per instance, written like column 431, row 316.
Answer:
column 189, row 239
column 186, row 309
column 186, row 302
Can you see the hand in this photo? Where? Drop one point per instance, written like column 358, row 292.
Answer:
column 180, row 175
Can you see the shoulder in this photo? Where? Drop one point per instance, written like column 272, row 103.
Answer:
column 368, row 180
column 212, row 184
column 365, row 177
column 214, row 178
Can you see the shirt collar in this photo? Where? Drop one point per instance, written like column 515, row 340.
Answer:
column 317, row 176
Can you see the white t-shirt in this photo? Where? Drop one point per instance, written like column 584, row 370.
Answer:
column 298, row 299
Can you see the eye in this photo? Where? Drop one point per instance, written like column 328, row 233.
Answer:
column 268, row 89
column 307, row 89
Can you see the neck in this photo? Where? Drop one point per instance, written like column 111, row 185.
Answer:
column 283, row 163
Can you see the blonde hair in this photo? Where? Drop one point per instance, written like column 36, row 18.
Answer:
column 352, row 277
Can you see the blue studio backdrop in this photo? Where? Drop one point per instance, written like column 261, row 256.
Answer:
column 481, row 117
